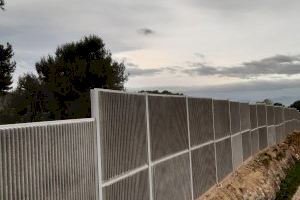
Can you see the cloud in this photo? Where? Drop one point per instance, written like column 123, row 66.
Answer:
column 134, row 70
column 146, row 31
column 285, row 91
column 276, row 65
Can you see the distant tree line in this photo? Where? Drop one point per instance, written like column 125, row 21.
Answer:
column 165, row 92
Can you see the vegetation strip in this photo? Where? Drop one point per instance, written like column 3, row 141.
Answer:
column 290, row 184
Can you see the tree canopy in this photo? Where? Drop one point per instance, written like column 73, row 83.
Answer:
column 296, row 105
column 7, row 67
column 2, row 4
column 76, row 68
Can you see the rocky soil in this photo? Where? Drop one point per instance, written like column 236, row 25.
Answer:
column 260, row 177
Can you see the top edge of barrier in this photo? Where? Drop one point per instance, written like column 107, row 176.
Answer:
column 46, row 123
column 261, row 104
column 278, row 106
column 116, row 91
column 137, row 93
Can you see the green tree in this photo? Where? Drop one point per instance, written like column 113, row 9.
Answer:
column 278, row 104
column 7, row 67
column 296, row 105
column 76, row 68
column 2, row 4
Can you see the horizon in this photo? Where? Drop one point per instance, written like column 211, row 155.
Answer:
column 240, row 50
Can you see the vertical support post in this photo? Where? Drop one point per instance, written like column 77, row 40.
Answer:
column 149, row 149
column 216, row 165
column 190, row 148
column 95, row 111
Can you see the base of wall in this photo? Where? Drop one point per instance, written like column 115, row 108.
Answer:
column 260, row 177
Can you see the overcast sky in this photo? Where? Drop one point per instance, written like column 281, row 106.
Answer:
column 237, row 49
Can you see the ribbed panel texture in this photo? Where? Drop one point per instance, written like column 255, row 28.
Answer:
column 237, row 151
column 246, row 139
column 168, row 125
column 253, row 116
column 201, row 120
column 221, row 118
column 171, row 179
column 123, row 133
column 224, row 158
column 48, row 162
column 135, row 187
column 254, row 141
column 270, row 115
column 204, row 169
column 271, row 135
column 278, row 112
column 245, row 116
column 263, row 138
column 235, row 117
column 261, row 114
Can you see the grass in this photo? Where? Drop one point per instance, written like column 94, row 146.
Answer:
column 290, row 184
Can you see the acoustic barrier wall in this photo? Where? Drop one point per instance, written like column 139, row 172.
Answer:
column 48, row 160
column 137, row 147
column 158, row 147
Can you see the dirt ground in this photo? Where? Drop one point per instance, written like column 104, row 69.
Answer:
column 297, row 195
column 260, row 177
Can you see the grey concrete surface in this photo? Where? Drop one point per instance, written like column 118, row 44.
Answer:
column 270, row 115
column 237, row 151
column 171, row 179
column 254, row 142
column 253, row 116
column 201, row 120
column 221, row 118
column 263, row 138
column 204, row 169
column 261, row 115
column 246, row 140
column 168, row 125
column 235, row 118
column 135, row 187
column 123, row 132
column 245, row 116
column 224, row 158
column 48, row 162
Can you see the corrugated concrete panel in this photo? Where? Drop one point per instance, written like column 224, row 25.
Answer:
column 254, row 141
column 204, row 169
column 135, row 187
column 279, row 133
column 224, row 158
column 278, row 112
column 261, row 115
column 271, row 135
column 270, row 115
column 246, row 139
column 237, row 151
column 253, row 116
column 263, row 138
column 221, row 118
column 172, row 179
column 201, row 120
column 123, row 132
column 49, row 160
column 168, row 125
column 245, row 116
column 235, row 117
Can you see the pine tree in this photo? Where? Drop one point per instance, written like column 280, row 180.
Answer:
column 7, row 67
column 2, row 4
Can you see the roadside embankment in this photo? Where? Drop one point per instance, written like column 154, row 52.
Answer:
column 260, row 177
